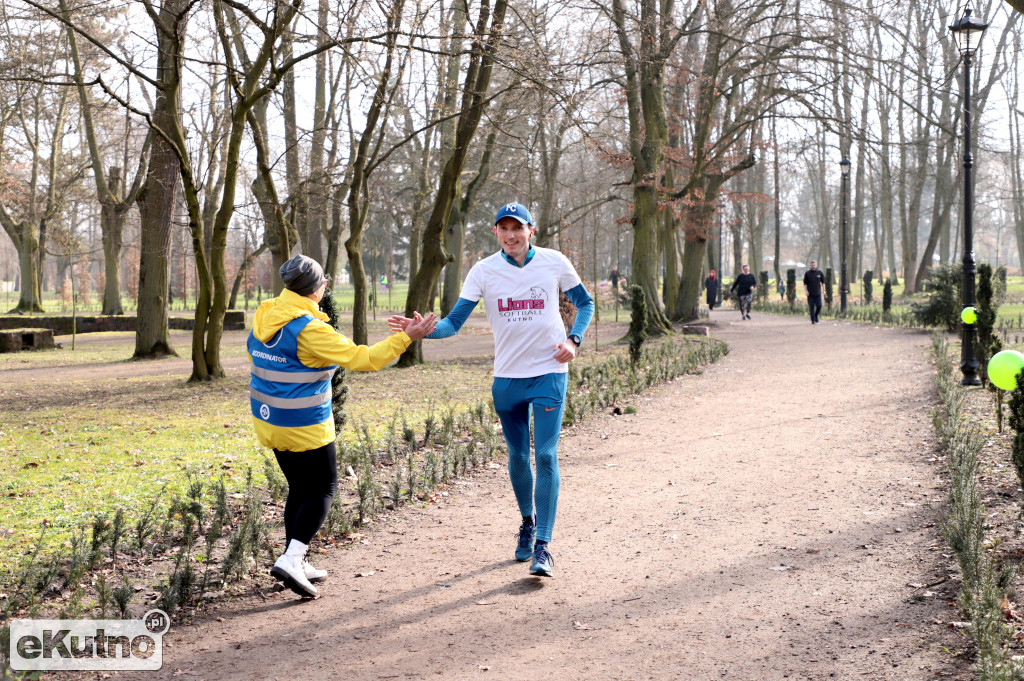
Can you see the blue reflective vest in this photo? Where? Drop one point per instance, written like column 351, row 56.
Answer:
column 283, row 391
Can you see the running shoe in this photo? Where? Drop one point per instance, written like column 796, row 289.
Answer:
column 524, row 550
column 543, row 564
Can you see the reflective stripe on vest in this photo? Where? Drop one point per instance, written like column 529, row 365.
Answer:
column 291, row 377
column 282, row 390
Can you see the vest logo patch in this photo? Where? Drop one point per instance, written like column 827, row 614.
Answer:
column 264, row 412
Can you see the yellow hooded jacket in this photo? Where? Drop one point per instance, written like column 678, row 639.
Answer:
column 319, row 345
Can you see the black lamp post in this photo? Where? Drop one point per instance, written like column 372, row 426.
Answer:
column 967, row 30
column 844, row 280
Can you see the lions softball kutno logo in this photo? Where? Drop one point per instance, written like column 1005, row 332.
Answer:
column 89, row 645
column 523, row 309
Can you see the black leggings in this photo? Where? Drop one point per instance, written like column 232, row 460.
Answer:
column 312, row 479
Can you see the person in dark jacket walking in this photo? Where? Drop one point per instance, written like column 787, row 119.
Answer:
column 711, row 286
column 813, row 280
column 744, row 287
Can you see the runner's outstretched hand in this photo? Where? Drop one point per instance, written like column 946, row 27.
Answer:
column 416, row 328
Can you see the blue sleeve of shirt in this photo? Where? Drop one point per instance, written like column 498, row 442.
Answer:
column 579, row 297
column 450, row 325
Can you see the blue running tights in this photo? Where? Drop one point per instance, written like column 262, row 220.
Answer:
column 514, row 400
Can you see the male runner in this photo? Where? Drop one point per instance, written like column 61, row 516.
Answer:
column 519, row 286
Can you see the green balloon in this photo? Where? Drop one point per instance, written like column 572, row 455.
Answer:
column 1004, row 367
column 969, row 315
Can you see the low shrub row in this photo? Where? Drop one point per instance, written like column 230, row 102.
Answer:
column 985, row 581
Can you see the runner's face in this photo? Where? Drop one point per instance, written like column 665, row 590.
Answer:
column 513, row 237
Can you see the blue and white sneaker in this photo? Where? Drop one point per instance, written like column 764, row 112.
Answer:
column 524, row 550
column 543, row 564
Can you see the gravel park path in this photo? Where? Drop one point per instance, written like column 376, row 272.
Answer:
column 774, row 517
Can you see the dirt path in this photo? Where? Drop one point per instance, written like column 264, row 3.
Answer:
column 764, row 520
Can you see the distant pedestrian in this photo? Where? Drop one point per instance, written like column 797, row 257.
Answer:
column 711, row 286
column 384, row 283
column 813, row 280
column 782, row 290
column 613, row 277
column 744, row 287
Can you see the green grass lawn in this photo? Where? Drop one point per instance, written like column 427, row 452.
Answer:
column 76, row 440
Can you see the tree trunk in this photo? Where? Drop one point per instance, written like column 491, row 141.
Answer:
column 667, row 235
column 112, row 227
column 777, row 206
column 354, row 249
column 156, row 208
column 478, row 80
column 246, row 263
column 333, row 265
column 688, row 302
column 941, row 205
column 31, row 296
column 645, row 254
column 857, row 250
column 454, row 236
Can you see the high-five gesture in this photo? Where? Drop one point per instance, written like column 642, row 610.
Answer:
column 416, row 328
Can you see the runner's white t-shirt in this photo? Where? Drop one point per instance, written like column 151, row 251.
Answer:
column 522, row 308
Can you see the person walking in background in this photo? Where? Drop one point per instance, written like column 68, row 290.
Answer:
column 711, row 286
column 519, row 286
column 294, row 352
column 782, row 290
column 813, row 280
column 384, row 283
column 744, row 288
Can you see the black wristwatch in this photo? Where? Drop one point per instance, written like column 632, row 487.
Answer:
column 575, row 339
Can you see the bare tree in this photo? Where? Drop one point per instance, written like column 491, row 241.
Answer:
column 115, row 202
column 476, row 83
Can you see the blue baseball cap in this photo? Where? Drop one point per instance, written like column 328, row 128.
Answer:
column 514, row 210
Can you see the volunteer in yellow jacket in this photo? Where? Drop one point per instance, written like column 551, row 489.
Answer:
column 294, row 354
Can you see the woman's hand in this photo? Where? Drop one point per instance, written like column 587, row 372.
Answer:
column 417, row 327
column 398, row 323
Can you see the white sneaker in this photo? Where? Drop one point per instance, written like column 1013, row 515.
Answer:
column 312, row 574
column 288, row 569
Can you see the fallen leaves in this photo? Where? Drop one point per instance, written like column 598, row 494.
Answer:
column 1009, row 611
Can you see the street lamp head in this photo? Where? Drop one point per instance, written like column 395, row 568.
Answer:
column 844, row 166
column 967, row 30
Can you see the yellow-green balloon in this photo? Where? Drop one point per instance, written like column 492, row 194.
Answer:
column 969, row 315
column 1004, row 367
